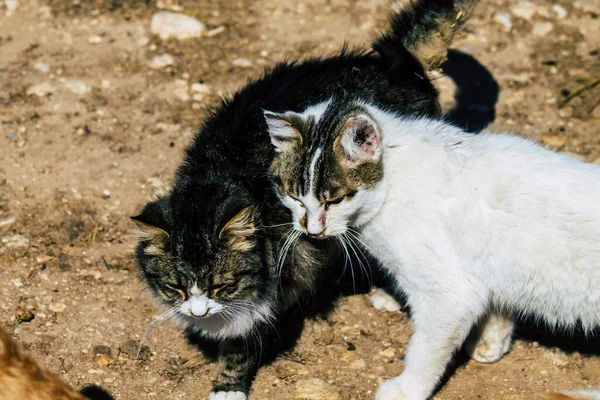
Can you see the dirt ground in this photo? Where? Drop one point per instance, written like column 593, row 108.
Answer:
column 89, row 130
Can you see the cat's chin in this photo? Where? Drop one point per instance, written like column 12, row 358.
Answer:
column 212, row 324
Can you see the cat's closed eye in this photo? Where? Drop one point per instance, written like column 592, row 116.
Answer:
column 338, row 200
column 215, row 289
column 179, row 289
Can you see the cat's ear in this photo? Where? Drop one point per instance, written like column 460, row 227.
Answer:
column 284, row 135
column 238, row 232
column 359, row 141
column 152, row 227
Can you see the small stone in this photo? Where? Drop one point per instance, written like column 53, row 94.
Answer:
column 43, row 259
column 78, row 87
column 566, row 112
column 94, row 39
column 504, row 19
column 8, row 221
column 42, row 66
column 542, row 28
column 17, row 282
column 25, row 316
column 181, row 90
column 242, row 62
column 143, row 41
column 357, row 364
column 388, row 353
column 315, row 389
column 216, row 31
column 63, row 263
column 560, row 11
column 524, row 10
column 200, row 88
column 11, row 5
column 105, row 194
column 105, row 84
column 57, row 307
column 162, row 61
column 103, row 360
column 41, row 89
column 553, row 140
column 15, row 241
column 557, row 357
column 168, row 25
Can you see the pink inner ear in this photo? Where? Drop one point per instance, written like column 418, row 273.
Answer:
column 365, row 136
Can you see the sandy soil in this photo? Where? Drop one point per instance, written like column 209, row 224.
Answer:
column 89, row 131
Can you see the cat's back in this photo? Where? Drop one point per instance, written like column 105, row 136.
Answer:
column 21, row 378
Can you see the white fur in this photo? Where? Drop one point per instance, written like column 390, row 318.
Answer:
column 220, row 321
column 227, row 396
column 381, row 300
column 481, row 222
column 475, row 224
column 493, row 340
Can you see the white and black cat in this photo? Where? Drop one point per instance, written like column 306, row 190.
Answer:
column 471, row 227
column 210, row 248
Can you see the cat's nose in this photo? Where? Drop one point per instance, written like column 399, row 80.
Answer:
column 201, row 314
column 315, row 230
column 199, row 310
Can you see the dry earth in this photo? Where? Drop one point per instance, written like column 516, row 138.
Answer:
column 89, row 130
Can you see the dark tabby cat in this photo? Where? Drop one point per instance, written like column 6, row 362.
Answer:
column 21, row 378
column 220, row 249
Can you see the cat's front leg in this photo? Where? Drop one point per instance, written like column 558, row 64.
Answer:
column 440, row 326
column 493, row 339
column 238, row 363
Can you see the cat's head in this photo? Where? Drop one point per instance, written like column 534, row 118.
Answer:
column 327, row 169
column 200, row 257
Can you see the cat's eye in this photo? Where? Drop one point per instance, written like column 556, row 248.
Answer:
column 297, row 201
column 179, row 289
column 216, row 288
column 336, row 201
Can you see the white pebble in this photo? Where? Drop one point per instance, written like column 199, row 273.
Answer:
column 503, row 18
column 15, row 241
column 524, row 10
column 542, row 28
column 162, row 61
column 105, row 194
column 78, row 87
column 200, row 88
column 560, row 11
column 7, row 222
column 41, row 89
column 143, row 41
column 11, row 5
column 242, row 62
column 216, row 31
column 42, row 66
column 168, row 25
column 94, row 39
column 105, row 84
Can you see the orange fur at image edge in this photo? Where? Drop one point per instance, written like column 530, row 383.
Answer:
column 22, row 378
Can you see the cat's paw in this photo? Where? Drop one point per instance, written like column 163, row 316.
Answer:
column 227, row 396
column 493, row 342
column 390, row 390
column 381, row 300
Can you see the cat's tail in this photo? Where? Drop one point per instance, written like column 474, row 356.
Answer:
column 573, row 395
column 425, row 27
